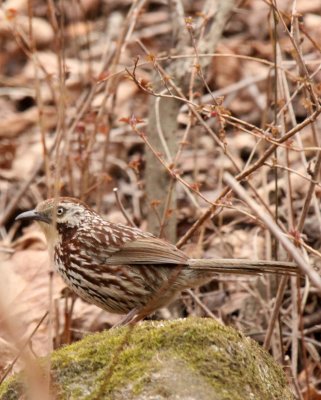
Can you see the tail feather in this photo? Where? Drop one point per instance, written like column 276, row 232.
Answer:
column 244, row 267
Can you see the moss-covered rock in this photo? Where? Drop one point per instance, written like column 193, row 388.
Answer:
column 183, row 359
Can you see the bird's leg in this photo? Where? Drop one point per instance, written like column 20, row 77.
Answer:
column 158, row 300
column 127, row 319
column 135, row 315
column 140, row 316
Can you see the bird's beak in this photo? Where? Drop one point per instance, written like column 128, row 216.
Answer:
column 33, row 215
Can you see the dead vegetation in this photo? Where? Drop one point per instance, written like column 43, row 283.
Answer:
column 97, row 95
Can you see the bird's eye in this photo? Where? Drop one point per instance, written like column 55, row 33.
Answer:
column 60, row 211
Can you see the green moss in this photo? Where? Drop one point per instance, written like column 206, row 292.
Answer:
column 10, row 388
column 184, row 356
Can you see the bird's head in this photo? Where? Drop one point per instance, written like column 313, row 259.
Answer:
column 57, row 215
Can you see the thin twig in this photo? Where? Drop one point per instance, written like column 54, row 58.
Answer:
column 207, row 311
column 276, row 231
column 244, row 174
column 23, row 348
column 122, row 208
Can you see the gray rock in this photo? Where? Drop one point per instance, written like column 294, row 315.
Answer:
column 191, row 359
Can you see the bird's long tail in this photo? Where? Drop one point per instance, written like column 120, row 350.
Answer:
column 244, row 267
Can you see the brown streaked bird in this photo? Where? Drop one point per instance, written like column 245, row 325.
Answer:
column 123, row 269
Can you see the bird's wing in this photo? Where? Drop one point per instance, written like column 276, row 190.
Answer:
column 147, row 250
column 116, row 244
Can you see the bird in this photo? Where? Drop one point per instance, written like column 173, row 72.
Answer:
column 123, row 269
